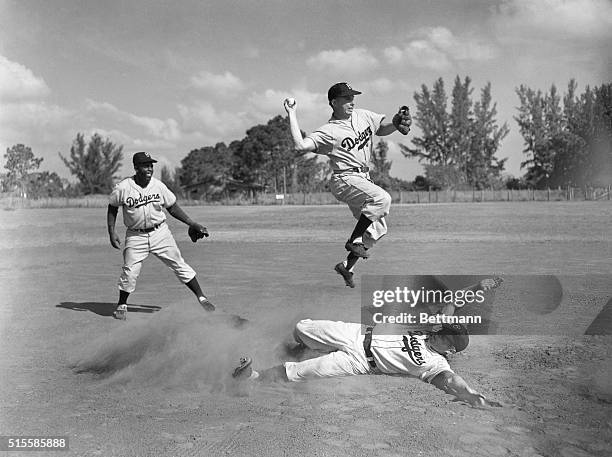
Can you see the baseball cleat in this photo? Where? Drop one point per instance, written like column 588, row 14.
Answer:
column 357, row 248
column 245, row 370
column 120, row 313
column 206, row 304
column 346, row 275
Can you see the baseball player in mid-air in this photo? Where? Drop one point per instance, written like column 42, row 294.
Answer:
column 352, row 351
column 347, row 139
column 142, row 198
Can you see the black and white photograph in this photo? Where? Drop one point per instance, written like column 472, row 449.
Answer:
column 271, row 228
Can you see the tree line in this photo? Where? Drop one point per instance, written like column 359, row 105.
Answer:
column 567, row 142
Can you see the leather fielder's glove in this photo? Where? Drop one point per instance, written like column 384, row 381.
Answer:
column 402, row 120
column 197, row 232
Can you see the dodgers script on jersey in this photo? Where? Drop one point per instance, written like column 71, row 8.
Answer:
column 407, row 354
column 348, row 142
column 142, row 207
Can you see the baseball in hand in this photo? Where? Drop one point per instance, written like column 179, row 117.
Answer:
column 290, row 102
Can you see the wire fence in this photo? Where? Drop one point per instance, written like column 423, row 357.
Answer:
column 8, row 201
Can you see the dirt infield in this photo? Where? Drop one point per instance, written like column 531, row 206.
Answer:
column 159, row 384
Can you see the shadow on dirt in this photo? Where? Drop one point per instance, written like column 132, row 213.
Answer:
column 602, row 324
column 106, row 309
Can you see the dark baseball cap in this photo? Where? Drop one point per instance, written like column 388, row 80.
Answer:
column 458, row 334
column 341, row 90
column 142, row 157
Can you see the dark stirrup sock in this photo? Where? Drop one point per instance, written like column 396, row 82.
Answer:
column 362, row 225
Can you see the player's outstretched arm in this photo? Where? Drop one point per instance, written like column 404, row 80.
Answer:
column 453, row 384
column 386, row 128
column 111, row 219
column 177, row 212
column 300, row 143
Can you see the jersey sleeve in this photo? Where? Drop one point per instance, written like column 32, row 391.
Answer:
column 116, row 197
column 435, row 370
column 323, row 140
column 374, row 119
column 168, row 197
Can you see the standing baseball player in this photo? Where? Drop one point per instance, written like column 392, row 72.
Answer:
column 143, row 198
column 347, row 139
column 349, row 350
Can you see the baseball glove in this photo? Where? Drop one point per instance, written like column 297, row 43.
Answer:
column 197, row 232
column 402, row 120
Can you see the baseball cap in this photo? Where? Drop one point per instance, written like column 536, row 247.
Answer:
column 340, row 90
column 458, row 334
column 142, row 157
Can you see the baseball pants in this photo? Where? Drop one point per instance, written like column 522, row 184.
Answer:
column 343, row 343
column 160, row 243
column 363, row 197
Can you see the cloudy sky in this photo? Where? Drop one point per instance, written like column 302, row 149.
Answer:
column 172, row 76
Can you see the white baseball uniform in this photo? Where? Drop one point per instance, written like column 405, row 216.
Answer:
column 147, row 231
column 408, row 355
column 348, row 143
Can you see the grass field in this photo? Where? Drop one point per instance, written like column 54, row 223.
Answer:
column 160, row 386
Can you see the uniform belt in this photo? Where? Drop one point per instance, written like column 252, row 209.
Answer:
column 352, row 170
column 367, row 343
column 150, row 229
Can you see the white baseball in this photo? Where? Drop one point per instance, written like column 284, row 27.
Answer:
column 290, row 102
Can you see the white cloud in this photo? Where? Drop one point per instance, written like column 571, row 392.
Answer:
column 353, row 60
column 437, row 48
column 252, row 52
column 379, row 86
column 167, row 130
column 557, row 38
column 204, row 117
column 18, row 82
column 312, row 107
column 225, row 85
column 270, row 101
column 564, row 19
column 393, row 54
column 23, row 122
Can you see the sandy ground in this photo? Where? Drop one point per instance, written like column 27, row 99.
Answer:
column 159, row 384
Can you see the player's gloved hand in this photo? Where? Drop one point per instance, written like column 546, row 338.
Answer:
column 402, row 120
column 197, row 231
